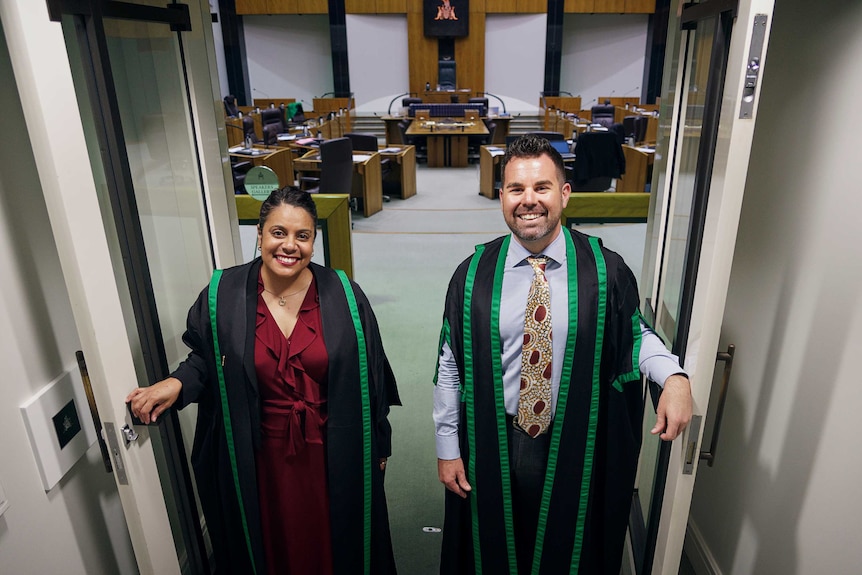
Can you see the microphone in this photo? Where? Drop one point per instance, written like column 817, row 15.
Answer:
column 262, row 93
column 635, row 89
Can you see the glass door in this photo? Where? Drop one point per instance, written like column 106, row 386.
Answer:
column 133, row 78
column 704, row 144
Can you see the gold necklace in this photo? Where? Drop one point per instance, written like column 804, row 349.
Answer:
column 282, row 298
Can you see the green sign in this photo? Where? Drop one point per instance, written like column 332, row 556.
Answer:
column 260, row 181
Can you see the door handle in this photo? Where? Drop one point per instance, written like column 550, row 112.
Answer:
column 94, row 411
column 727, row 358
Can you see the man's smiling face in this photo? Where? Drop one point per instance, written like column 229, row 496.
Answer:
column 532, row 199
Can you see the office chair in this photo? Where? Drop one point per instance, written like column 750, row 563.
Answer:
column 599, row 159
column 248, row 130
column 405, row 102
column 641, row 123
column 295, row 114
column 603, row 115
column 550, row 136
column 446, row 74
column 336, row 168
column 239, row 169
column 619, row 131
column 230, row 108
column 368, row 143
column 483, row 101
column 274, row 117
column 476, row 141
column 419, row 142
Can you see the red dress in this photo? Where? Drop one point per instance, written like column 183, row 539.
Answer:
column 291, row 462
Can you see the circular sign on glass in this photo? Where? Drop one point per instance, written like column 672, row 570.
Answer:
column 260, row 181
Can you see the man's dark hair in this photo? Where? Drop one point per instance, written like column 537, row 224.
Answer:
column 532, row 146
column 292, row 196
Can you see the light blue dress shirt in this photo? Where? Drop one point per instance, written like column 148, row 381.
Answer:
column 654, row 360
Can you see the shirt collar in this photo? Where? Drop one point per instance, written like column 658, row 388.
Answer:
column 556, row 251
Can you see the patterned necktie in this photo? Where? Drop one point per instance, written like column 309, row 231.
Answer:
column 534, row 404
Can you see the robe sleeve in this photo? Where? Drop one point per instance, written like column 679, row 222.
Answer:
column 383, row 387
column 624, row 323
column 193, row 372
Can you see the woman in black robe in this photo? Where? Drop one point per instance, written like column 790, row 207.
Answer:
column 292, row 434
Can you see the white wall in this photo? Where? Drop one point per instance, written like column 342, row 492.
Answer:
column 289, row 56
column 603, row 55
column 515, row 59
column 782, row 497
column 377, row 57
column 78, row 527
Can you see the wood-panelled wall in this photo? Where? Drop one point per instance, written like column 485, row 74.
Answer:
column 469, row 51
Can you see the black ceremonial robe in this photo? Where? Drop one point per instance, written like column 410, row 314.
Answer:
column 345, row 443
column 596, row 431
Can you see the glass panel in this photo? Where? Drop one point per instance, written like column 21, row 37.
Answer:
column 671, row 243
column 150, row 86
column 686, row 158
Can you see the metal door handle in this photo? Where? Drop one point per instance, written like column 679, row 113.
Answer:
column 727, row 358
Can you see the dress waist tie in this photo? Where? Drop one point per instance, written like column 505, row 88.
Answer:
column 299, row 422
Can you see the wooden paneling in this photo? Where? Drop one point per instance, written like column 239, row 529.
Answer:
column 312, row 6
column 422, row 53
column 532, row 6
column 470, row 56
column 501, row 6
column 360, row 6
column 391, row 6
column 639, row 6
column 579, row 6
column 610, row 6
column 265, row 6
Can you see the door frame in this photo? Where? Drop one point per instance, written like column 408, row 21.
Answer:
column 56, row 128
column 707, row 272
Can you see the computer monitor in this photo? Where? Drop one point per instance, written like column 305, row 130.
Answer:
column 561, row 146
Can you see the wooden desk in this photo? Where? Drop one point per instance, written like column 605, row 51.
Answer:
column 367, row 185
column 489, row 168
column 638, row 162
column 403, row 170
column 234, row 132
column 279, row 160
column 393, row 132
column 447, row 142
column 445, row 96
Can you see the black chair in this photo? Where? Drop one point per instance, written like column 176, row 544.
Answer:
column 476, row 141
column 446, row 74
column 420, row 142
column 641, row 123
column 239, row 169
column 603, row 115
column 248, row 132
column 298, row 117
column 230, row 108
column 550, row 136
column 405, row 102
column 368, row 143
column 483, row 101
column 619, row 131
column 336, row 168
column 272, row 124
column 598, row 160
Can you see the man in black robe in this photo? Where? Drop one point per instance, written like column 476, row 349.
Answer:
column 557, row 502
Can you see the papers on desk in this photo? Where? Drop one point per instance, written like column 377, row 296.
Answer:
column 306, row 141
column 495, row 151
column 286, row 137
column 360, row 157
column 390, row 150
column 247, row 151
